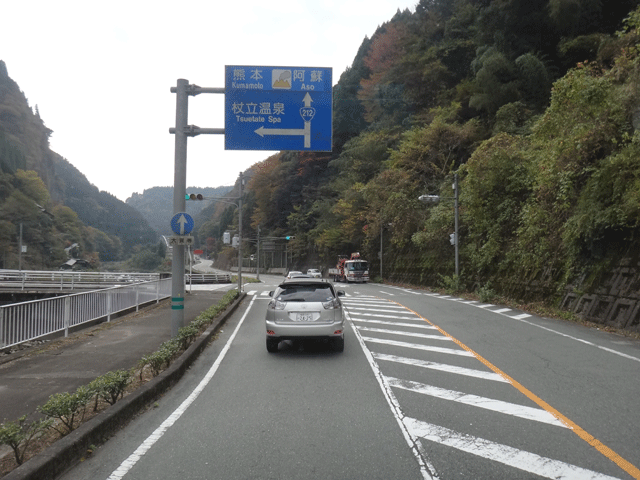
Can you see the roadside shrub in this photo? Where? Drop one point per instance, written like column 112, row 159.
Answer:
column 452, row 284
column 110, row 387
column 161, row 359
column 187, row 334
column 486, row 293
column 67, row 408
column 19, row 435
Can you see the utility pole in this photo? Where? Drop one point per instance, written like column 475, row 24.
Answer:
column 179, row 205
column 20, row 250
column 381, row 224
column 240, row 236
column 455, row 188
column 258, row 257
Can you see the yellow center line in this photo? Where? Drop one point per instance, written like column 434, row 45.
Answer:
column 590, row 439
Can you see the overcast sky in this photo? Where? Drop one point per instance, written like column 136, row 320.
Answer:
column 101, row 72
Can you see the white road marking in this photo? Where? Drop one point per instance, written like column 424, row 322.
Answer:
column 405, row 333
column 130, row 462
column 521, row 411
column 395, row 324
column 469, row 372
column 502, row 310
column 409, row 316
column 378, row 308
column 513, row 457
column 450, row 351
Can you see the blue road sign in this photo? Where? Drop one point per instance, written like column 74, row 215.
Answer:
column 278, row 108
column 182, row 223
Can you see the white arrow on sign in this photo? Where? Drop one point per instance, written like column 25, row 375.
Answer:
column 182, row 220
column 307, row 113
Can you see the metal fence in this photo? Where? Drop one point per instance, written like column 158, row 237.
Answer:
column 26, row 321
column 190, row 278
column 65, row 280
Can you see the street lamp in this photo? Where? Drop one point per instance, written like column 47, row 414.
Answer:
column 436, row 199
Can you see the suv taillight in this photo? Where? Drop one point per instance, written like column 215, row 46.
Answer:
column 276, row 305
column 331, row 304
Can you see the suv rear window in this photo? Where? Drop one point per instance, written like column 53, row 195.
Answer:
column 305, row 293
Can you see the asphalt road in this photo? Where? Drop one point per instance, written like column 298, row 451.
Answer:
column 427, row 387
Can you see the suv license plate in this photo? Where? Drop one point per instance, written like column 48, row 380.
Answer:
column 304, row 317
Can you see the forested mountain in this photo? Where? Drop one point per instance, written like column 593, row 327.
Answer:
column 54, row 202
column 534, row 104
column 156, row 205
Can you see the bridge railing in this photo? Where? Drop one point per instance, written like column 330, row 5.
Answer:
column 27, row 321
column 68, row 280
column 193, row 278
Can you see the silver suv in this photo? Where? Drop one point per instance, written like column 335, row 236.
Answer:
column 305, row 308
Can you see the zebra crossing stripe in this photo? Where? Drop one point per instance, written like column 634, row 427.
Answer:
column 395, row 324
column 428, row 348
column 381, row 315
column 442, row 367
column 513, row 457
column 521, row 411
column 404, row 332
column 378, row 308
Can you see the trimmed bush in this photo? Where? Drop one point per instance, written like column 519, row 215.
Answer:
column 67, row 408
column 19, row 435
column 110, row 387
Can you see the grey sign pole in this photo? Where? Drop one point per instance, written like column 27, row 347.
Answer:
column 240, row 235
column 455, row 187
column 182, row 131
column 179, row 205
column 258, row 250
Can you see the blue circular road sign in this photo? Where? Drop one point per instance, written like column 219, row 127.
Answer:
column 182, row 223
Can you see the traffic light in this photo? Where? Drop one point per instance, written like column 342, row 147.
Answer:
column 289, row 237
column 452, row 238
column 194, row 196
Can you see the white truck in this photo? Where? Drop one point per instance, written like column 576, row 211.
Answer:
column 350, row 269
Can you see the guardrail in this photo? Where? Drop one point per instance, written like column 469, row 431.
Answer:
column 27, row 321
column 65, row 280
column 191, row 278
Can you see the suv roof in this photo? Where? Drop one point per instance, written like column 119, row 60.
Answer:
column 305, row 280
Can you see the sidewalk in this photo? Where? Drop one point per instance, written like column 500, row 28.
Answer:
column 29, row 377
